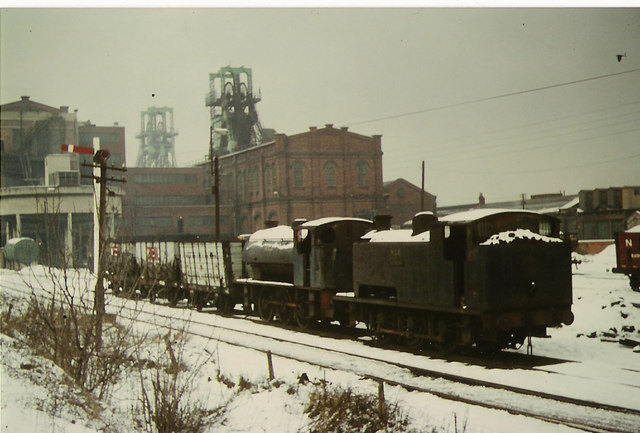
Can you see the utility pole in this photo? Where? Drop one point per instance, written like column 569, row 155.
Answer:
column 422, row 190
column 100, row 161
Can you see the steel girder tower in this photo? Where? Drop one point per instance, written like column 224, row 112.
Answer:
column 234, row 120
column 157, row 138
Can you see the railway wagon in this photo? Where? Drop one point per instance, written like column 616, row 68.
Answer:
column 207, row 273
column 628, row 256
column 487, row 278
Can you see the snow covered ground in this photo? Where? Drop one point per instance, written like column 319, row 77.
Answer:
column 235, row 380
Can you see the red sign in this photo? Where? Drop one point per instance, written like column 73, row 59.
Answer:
column 152, row 253
column 77, row 149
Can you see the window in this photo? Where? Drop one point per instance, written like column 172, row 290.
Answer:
column 161, row 221
column 588, row 230
column 267, row 178
column 331, row 171
column 165, row 178
column 298, row 174
column 274, row 185
column 173, row 200
column 362, row 169
column 603, row 230
column 545, row 228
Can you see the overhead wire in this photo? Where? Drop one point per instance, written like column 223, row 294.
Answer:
column 491, row 98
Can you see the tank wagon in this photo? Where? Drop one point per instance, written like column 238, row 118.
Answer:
column 486, row 278
column 628, row 256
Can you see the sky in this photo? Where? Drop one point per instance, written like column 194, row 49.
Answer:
column 498, row 101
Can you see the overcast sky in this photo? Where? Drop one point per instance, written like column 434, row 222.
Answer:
column 498, row 101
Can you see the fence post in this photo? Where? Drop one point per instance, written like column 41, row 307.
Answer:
column 270, row 363
column 381, row 403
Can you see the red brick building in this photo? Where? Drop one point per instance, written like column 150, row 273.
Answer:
column 404, row 199
column 167, row 201
column 318, row 173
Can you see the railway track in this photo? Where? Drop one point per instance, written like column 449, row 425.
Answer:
column 578, row 413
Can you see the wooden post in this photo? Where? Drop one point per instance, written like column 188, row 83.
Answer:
column 381, row 403
column 270, row 364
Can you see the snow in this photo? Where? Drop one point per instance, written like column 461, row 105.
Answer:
column 402, row 235
column 282, row 233
column 605, row 309
column 519, row 234
column 330, row 220
column 635, row 229
column 476, row 214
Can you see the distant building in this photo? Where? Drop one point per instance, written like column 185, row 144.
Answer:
column 43, row 194
column 404, row 199
column 605, row 211
column 167, row 201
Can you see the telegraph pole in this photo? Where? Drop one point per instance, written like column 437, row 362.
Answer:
column 100, row 161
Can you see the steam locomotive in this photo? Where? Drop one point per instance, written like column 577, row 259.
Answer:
column 485, row 278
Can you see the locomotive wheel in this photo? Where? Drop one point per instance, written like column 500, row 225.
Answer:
column 380, row 322
column 285, row 312
column 447, row 334
column 266, row 307
column 303, row 320
column 413, row 324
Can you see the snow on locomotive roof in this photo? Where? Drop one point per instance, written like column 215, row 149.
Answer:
column 476, row 214
column 401, row 235
column 329, row 220
column 512, row 235
column 635, row 229
column 282, row 232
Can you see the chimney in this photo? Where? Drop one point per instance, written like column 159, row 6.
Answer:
column 382, row 222
column 24, row 98
column 481, row 200
column 313, row 128
column 328, row 125
column 422, row 221
column 64, row 108
column 344, row 128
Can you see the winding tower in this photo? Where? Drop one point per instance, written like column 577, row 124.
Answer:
column 157, row 138
column 234, row 120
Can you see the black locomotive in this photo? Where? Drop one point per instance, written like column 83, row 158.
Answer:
column 486, row 278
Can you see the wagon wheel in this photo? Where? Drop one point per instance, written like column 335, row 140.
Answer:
column 300, row 313
column 266, row 307
column 285, row 311
column 224, row 304
column 414, row 325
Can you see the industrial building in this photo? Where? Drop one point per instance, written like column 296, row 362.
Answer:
column 43, row 194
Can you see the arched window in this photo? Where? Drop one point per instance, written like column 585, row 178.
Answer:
column 331, row 171
column 362, row 169
column 274, row 184
column 298, row 174
column 267, row 178
column 241, row 185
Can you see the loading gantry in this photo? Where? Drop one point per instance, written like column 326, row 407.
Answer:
column 157, row 138
column 234, row 120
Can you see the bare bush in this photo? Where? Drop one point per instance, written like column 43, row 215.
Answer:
column 342, row 410
column 168, row 402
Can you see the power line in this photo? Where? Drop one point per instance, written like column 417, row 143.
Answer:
column 490, row 98
column 547, row 170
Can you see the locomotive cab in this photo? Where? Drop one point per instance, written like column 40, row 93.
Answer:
column 323, row 252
